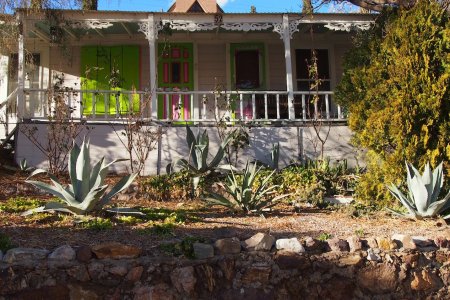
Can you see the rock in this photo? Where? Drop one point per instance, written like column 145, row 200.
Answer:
column 378, row 279
column 21, row 254
column 257, row 276
column 386, row 243
column 372, row 242
column 372, row 256
column 442, row 242
column 1, row 255
column 354, row 243
column 157, row 292
column 96, row 270
column 350, row 260
column 313, row 245
column 292, row 245
column 80, row 292
column 202, row 251
column 425, row 280
column 259, row 242
column 338, row 245
column 118, row 269
column 422, row 242
column 63, row 253
column 184, row 280
column 228, row 246
column 84, row 254
column 116, row 251
column 135, row 274
column 287, row 260
column 404, row 241
column 79, row 272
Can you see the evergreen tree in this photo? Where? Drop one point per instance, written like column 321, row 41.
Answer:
column 396, row 87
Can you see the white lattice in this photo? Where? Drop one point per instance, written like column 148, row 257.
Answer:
column 348, row 26
column 190, row 26
column 90, row 24
column 246, row 26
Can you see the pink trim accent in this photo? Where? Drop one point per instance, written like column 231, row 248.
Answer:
column 187, row 106
column 186, row 53
column 176, row 53
column 164, row 106
column 186, row 72
column 166, row 72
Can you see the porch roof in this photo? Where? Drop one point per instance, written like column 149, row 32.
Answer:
column 76, row 23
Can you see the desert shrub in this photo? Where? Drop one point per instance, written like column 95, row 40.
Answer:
column 396, row 88
column 5, row 242
column 19, row 204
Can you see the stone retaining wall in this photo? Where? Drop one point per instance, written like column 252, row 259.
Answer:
column 400, row 267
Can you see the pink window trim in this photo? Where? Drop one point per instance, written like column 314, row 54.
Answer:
column 186, row 72
column 186, row 106
column 176, row 53
column 166, row 72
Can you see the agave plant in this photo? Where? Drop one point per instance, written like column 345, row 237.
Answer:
column 423, row 192
column 86, row 192
column 244, row 194
column 197, row 165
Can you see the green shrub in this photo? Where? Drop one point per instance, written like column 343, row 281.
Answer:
column 20, row 204
column 396, row 88
column 5, row 242
column 97, row 224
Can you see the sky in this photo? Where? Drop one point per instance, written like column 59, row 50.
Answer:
column 227, row 5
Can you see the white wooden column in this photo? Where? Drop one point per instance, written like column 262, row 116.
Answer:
column 152, row 36
column 149, row 28
column 287, row 55
column 21, row 75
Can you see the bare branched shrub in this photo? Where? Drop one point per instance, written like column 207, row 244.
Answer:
column 62, row 128
column 137, row 136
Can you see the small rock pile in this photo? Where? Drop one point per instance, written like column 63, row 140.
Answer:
column 260, row 267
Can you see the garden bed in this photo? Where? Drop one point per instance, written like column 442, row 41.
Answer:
column 175, row 220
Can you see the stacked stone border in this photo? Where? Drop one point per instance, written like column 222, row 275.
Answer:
column 261, row 267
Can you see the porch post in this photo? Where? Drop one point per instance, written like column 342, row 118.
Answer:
column 20, row 75
column 149, row 28
column 287, row 55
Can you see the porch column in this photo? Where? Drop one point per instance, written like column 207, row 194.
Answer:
column 20, row 75
column 151, row 33
column 287, row 55
column 153, row 62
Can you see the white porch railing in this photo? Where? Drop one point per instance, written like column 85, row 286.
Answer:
column 184, row 106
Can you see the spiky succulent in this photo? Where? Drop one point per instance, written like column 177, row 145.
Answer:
column 198, row 165
column 423, row 192
column 86, row 192
column 245, row 194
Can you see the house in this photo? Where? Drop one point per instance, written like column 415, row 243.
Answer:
column 194, row 64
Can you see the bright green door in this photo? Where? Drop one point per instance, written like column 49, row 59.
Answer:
column 110, row 68
column 176, row 73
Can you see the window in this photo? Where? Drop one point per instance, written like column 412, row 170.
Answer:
column 247, row 66
column 316, row 107
column 32, row 63
column 304, row 60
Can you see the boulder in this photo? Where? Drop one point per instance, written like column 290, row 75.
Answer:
column 84, row 254
column 184, row 280
column 203, row 251
column 228, row 246
column 354, row 243
column 116, row 251
column 20, row 254
column 386, row 243
column 426, row 281
column 338, row 245
column 259, row 242
column 292, row 245
column 379, row 279
column 63, row 253
column 404, row 241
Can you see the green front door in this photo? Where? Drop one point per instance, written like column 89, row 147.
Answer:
column 176, row 73
column 110, row 68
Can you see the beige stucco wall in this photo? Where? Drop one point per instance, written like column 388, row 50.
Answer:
column 295, row 142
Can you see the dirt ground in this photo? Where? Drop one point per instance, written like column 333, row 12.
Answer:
column 209, row 223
